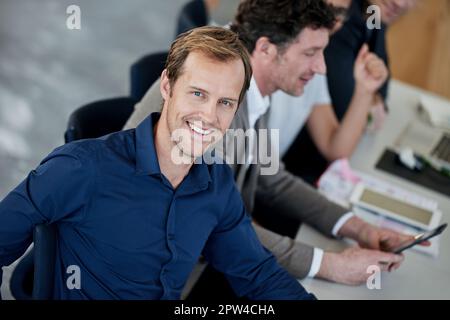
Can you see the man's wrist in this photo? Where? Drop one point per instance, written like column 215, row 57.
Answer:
column 328, row 266
column 363, row 95
column 352, row 228
column 340, row 223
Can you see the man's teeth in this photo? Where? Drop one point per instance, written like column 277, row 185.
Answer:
column 199, row 130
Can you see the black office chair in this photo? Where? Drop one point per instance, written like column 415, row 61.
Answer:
column 44, row 238
column 145, row 72
column 193, row 14
column 21, row 282
column 33, row 277
column 99, row 118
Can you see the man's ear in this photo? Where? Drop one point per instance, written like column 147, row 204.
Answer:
column 164, row 85
column 265, row 49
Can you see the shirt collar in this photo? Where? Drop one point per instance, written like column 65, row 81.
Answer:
column 146, row 158
column 198, row 177
column 257, row 105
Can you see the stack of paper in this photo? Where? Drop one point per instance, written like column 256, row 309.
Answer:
column 339, row 181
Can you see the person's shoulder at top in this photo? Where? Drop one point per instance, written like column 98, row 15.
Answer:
column 92, row 149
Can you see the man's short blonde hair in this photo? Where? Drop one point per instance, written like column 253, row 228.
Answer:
column 215, row 42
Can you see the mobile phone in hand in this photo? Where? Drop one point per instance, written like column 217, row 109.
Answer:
column 420, row 238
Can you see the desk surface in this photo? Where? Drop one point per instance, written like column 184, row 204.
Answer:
column 420, row 276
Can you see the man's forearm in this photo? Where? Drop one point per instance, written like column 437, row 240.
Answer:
column 290, row 196
column 295, row 257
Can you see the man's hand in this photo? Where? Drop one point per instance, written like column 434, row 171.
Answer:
column 372, row 237
column 370, row 71
column 350, row 266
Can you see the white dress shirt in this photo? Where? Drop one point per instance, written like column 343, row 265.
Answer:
column 257, row 106
column 289, row 113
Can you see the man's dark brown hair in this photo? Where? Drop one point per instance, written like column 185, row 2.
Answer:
column 280, row 20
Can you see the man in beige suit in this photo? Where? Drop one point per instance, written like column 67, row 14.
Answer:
column 286, row 40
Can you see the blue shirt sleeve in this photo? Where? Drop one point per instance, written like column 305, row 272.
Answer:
column 252, row 271
column 56, row 190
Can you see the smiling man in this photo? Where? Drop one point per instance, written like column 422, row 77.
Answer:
column 134, row 221
column 197, row 110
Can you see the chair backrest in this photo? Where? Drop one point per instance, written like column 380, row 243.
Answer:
column 22, row 277
column 144, row 72
column 33, row 277
column 193, row 14
column 99, row 118
column 45, row 243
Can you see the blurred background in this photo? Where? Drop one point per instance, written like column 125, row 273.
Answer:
column 419, row 47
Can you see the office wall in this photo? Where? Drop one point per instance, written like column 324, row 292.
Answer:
column 419, row 47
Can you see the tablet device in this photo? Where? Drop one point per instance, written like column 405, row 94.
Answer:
column 394, row 208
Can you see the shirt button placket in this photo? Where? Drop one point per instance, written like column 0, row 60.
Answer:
column 170, row 237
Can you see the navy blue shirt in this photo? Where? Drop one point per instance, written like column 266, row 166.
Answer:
column 131, row 234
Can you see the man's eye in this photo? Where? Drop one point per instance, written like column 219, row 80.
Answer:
column 227, row 103
column 197, row 93
column 309, row 54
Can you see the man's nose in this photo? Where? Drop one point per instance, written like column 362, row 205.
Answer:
column 209, row 113
column 319, row 65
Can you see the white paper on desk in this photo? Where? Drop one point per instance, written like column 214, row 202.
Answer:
column 338, row 182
